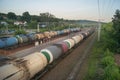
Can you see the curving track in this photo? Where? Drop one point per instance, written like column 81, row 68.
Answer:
column 69, row 67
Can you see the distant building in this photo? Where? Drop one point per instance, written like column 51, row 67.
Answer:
column 4, row 23
column 42, row 25
column 17, row 23
column 20, row 23
column 25, row 23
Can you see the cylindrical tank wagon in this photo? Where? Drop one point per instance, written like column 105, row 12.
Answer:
column 31, row 37
column 63, row 45
column 12, row 71
column 48, row 55
column 20, row 40
column 24, row 38
column 35, row 62
column 24, row 70
column 77, row 39
column 7, row 42
column 2, row 43
column 70, row 43
column 53, row 51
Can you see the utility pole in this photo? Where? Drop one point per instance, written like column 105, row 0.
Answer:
column 38, row 29
column 70, row 26
column 20, row 27
column 99, row 30
column 7, row 29
column 53, row 26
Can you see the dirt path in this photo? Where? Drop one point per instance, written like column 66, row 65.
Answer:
column 117, row 59
column 83, row 69
column 64, row 68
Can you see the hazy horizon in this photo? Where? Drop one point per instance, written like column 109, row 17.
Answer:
column 67, row 9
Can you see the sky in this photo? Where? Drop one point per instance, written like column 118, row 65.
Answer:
column 67, row 9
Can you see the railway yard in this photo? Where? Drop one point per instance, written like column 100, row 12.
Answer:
column 59, row 40
column 53, row 63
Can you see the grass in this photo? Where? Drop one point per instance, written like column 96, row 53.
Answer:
column 93, row 64
column 101, row 63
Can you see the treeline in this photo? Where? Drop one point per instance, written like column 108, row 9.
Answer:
column 33, row 20
column 113, row 29
column 43, row 17
column 116, row 30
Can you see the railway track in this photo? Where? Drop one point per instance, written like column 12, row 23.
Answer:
column 68, row 67
column 28, row 51
column 73, row 74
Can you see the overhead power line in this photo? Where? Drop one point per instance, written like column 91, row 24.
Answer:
column 99, row 8
column 99, row 23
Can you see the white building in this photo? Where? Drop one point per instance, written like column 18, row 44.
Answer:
column 20, row 23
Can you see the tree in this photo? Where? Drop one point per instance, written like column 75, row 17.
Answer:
column 19, row 18
column 26, row 16
column 116, row 27
column 47, row 17
column 1, row 18
column 35, row 18
column 11, row 15
column 32, row 25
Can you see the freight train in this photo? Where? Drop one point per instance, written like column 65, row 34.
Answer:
column 6, row 42
column 28, row 66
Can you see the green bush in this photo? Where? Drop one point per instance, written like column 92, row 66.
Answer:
column 111, row 70
column 108, row 53
column 108, row 60
column 20, row 32
column 111, row 73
